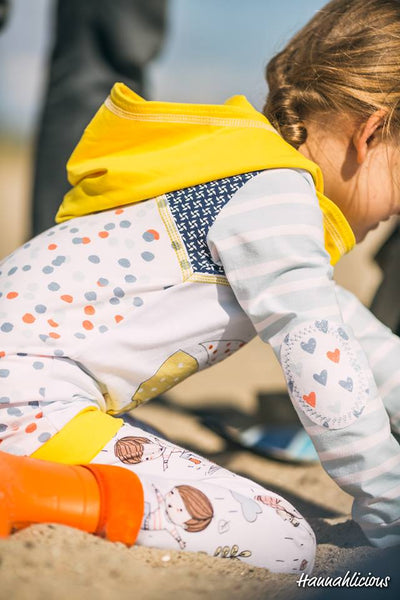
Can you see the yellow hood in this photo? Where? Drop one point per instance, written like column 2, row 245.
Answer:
column 134, row 150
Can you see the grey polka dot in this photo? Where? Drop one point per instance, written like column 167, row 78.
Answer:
column 16, row 412
column 43, row 437
column 53, row 286
column 38, row 365
column 42, row 391
column 137, row 301
column 3, row 427
column 74, row 230
column 58, row 352
column 130, row 278
column 119, row 292
column 125, row 224
column 124, row 262
column 94, row 259
column 109, row 226
column 148, row 236
column 103, row 281
column 6, row 327
column 40, row 308
column 4, row 372
column 27, row 245
column 114, row 300
column 147, row 256
column 4, row 400
column 90, row 296
column 26, row 268
column 43, row 337
column 103, row 328
column 58, row 261
column 12, row 271
column 47, row 269
column 80, row 336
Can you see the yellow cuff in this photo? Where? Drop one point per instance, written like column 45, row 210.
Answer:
column 81, row 439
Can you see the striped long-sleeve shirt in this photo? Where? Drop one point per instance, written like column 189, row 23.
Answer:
column 340, row 363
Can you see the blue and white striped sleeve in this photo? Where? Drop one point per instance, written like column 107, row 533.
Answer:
column 382, row 348
column 269, row 238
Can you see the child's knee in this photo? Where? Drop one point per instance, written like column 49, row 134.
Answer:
column 283, row 540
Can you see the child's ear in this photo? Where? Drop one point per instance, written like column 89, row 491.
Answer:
column 364, row 133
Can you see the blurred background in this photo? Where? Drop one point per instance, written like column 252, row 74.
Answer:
column 205, row 51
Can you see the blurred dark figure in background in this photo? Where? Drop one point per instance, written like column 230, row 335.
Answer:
column 96, row 43
column 386, row 304
column 4, row 9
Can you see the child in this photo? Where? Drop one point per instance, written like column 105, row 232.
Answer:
column 189, row 229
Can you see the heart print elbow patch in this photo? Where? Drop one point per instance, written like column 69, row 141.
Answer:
column 325, row 379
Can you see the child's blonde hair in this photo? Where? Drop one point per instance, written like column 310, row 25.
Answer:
column 346, row 60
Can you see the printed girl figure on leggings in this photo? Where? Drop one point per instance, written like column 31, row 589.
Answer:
column 188, row 230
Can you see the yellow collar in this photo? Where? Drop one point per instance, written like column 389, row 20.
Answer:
column 134, row 150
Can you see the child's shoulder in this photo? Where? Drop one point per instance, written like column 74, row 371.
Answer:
column 281, row 181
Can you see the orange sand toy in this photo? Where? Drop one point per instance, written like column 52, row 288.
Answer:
column 100, row 499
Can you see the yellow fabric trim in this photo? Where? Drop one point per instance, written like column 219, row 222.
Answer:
column 186, row 118
column 339, row 237
column 200, row 278
column 177, row 244
column 81, row 439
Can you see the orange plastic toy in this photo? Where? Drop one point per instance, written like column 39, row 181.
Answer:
column 100, row 499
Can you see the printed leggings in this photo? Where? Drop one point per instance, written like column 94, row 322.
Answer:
column 193, row 504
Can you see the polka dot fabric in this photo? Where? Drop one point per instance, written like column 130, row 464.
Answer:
column 31, row 415
column 81, row 279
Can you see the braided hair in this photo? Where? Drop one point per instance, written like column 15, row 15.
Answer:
column 344, row 61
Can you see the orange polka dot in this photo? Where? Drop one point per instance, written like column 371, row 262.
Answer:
column 67, row 298
column 31, row 427
column 87, row 325
column 12, row 295
column 210, row 347
column 89, row 310
column 52, row 323
column 103, row 234
column 54, row 335
column 119, row 211
column 28, row 318
column 2, row 354
column 85, row 240
column 52, row 246
column 155, row 233
column 118, row 318
column 39, row 415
